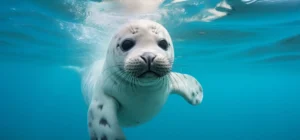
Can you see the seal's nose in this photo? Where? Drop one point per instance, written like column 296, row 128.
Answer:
column 148, row 57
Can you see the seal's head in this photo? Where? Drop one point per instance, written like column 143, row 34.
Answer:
column 142, row 49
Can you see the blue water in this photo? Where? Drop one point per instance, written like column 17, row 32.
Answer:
column 248, row 63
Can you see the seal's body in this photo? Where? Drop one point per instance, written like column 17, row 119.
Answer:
column 135, row 80
column 138, row 104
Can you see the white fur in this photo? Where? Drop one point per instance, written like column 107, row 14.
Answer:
column 129, row 101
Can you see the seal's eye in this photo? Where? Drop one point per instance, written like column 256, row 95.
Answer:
column 127, row 45
column 163, row 44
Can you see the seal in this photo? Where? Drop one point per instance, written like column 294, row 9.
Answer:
column 134, row 81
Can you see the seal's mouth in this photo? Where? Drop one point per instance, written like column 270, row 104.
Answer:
column 149, row 73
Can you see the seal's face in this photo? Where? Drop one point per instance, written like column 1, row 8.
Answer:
column 143, row 49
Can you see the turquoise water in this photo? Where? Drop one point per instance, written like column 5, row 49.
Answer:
column 247, row 61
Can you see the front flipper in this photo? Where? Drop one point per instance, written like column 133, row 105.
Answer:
column 102, row 119
column 187, row 86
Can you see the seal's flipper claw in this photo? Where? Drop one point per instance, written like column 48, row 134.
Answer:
column 187, row 86
column 102, row 120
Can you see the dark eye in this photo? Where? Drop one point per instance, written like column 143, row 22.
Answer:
column 127, row 45
column 163, row 44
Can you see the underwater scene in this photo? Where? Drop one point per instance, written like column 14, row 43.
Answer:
column 245, row 54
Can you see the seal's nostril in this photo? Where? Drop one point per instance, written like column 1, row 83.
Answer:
column 145, row 60
column 153, row 59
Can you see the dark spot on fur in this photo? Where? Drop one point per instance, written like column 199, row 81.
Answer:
column 91, row 114
column 104, row 137
column 135, row 30
column 197, row 101
column 193, row 94
column 100, row 106
column 118, row 45
column 200, row 89
column 119, row 39
column 104, row 122
column 184, row 76
column 90, row 124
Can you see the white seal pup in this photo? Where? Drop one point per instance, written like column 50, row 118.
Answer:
column 135, row 80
